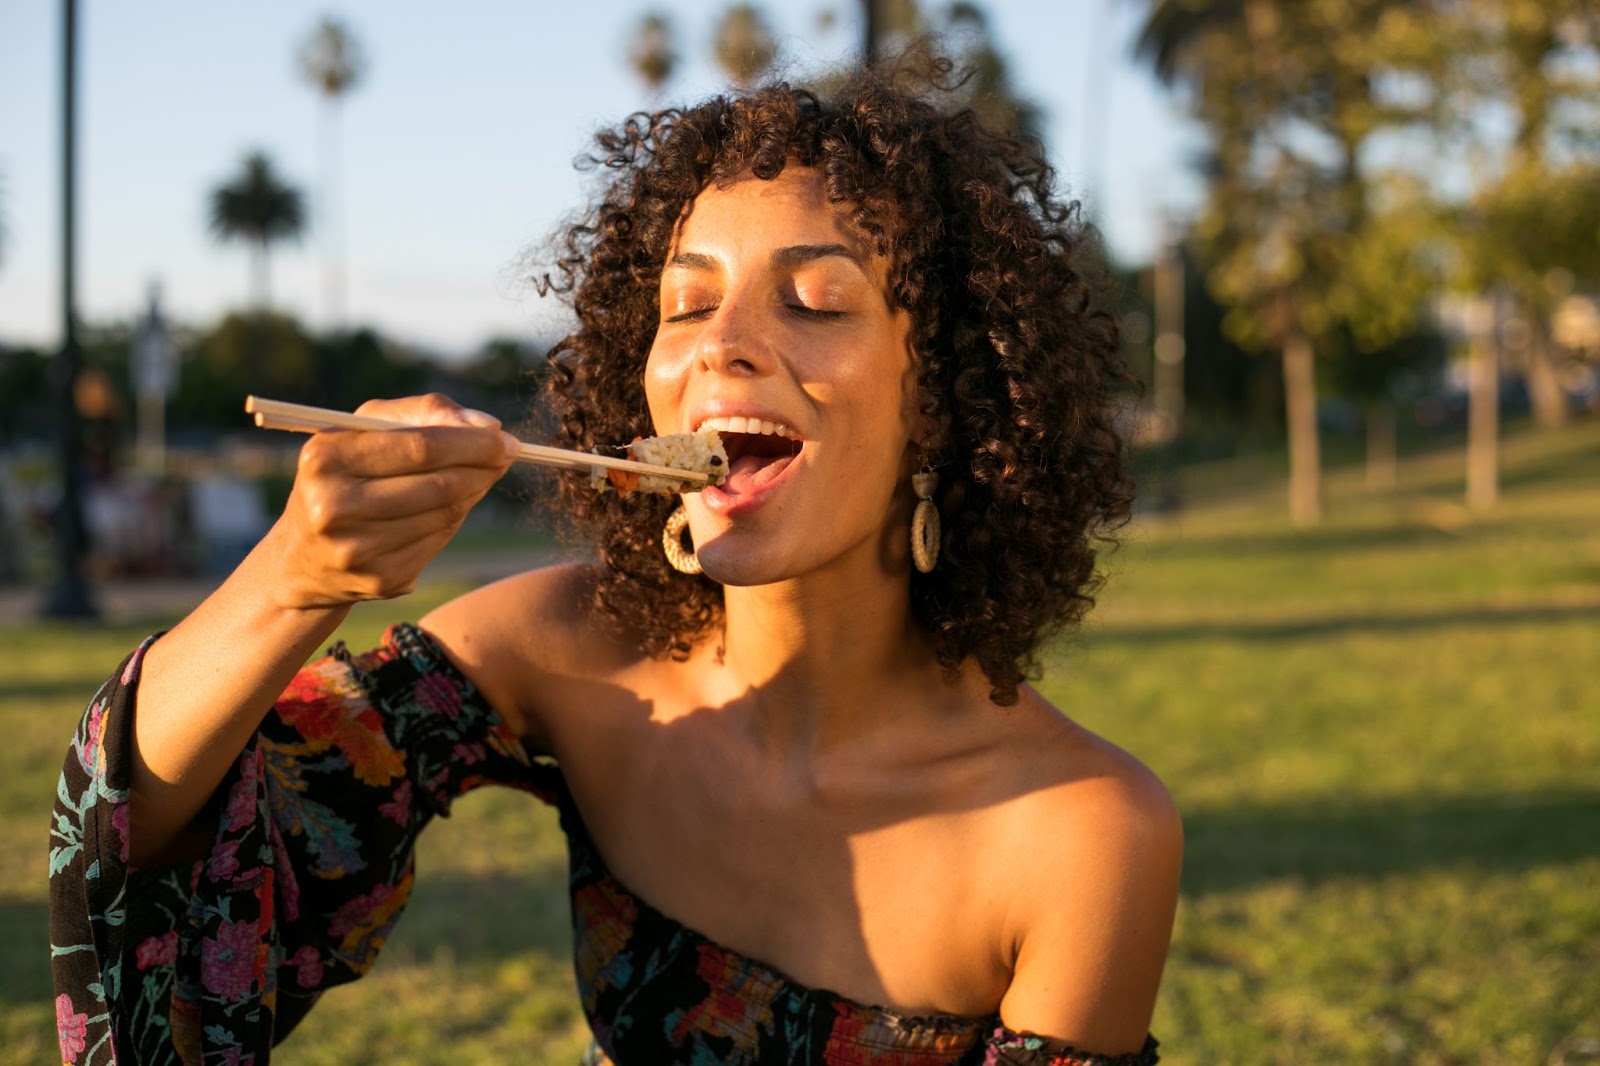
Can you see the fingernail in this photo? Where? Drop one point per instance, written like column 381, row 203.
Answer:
column 479, row 418
column 513, row 445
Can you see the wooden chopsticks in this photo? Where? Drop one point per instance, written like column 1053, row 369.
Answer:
column 301, row 418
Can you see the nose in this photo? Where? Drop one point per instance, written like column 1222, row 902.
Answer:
column 737, row 338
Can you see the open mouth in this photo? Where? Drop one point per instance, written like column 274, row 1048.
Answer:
column 758, row 451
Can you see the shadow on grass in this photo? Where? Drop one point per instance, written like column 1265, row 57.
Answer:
column 24, row 952
column 486, row 917
column 1552, row 469
column 1306, row 543
column 69, row 688
column 1334, row 624
column 1228, row 849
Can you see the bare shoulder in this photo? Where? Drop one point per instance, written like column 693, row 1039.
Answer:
column 1092, row 918
column 521, row 638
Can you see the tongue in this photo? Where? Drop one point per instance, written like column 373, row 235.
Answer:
column 749, row 472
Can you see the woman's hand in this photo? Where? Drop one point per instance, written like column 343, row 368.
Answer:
column 370, row 509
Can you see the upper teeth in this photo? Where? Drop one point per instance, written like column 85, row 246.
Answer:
column 740, row 424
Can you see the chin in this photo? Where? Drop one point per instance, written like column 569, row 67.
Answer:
column 738, row 569
column 747, row 565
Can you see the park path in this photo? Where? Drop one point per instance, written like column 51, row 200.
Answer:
column 126, row 600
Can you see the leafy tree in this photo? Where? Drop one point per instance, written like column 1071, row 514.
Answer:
column 370, row 367
column 1308, row 243
column 24, row 379
column 263, row 353
column 1532, row 227
column 962, row 33
column 257, row 207
column 988, row 89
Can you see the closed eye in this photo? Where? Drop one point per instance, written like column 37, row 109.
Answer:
column 814, row 312
column 691, row 315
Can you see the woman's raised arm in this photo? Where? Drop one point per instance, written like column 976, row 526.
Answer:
column 367, row 512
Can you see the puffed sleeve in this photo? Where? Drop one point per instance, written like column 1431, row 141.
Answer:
column 309, row 866
column 1007, row 1047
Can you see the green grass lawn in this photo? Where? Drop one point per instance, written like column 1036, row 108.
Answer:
column 1384, row 734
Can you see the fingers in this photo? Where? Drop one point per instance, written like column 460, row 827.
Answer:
column 434, row 409
column 394, row 452
column 372, row 539
column 370, row 508
column 448, row 435
column 452, row 491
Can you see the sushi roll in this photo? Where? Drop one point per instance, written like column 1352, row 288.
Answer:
column 698, row 452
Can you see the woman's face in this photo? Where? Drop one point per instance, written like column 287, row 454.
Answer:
column 776, row 330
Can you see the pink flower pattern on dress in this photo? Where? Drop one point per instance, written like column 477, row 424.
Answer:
column 438, row 695
column 93, row 735
column 227, row 960
column 119, row 823
column 224, row 861
column 398, row 809
column 358, row 911
column 288, row 878
column 241, row 809
column 308, row 967
column 157, row 950
column 72, row 1027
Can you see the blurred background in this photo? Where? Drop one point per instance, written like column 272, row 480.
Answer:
column 1355, row 625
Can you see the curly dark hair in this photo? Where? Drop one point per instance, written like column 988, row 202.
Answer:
column 1015, row 353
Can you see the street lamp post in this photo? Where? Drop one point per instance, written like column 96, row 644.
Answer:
column 870, row 31
column 152, row 385
column 69, row 598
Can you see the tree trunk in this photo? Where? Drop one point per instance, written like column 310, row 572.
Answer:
column 1169, row 340
column 255, row 356
column 1305, row 462
column 1545, row 393
column 70, row 596
column 330, row 218
column 1380, row 445
column 260, row 282
column 1483, row 424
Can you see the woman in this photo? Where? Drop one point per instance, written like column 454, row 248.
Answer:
column 814, row 814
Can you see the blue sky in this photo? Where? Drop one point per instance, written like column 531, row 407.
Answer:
column 457, row 149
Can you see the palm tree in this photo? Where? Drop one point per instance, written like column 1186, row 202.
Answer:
column 653, row 53
column 744, row 45
column 259, row 208
column 331, row 61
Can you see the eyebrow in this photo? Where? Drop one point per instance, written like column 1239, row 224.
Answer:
column 787, row 258
column 799, row 254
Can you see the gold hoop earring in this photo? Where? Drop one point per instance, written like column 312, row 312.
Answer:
column 925, row 521
column 681, row 559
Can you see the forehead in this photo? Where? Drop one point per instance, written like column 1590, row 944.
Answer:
column 751, row 214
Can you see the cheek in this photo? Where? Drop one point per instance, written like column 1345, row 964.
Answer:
column 663, row 385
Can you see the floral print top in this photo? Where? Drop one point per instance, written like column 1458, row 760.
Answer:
column 311, row 863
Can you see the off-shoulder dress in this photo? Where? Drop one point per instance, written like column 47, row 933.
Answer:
column 311, row 863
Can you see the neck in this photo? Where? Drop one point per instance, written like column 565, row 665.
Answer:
column 810, row 654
